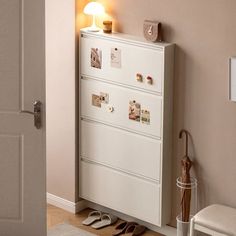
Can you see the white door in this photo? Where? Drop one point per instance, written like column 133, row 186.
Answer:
column 22, row 145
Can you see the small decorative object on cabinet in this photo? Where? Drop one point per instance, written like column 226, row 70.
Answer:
column 107, row 26
column 187, row 186
column 125, row 139
column 149, row 80
column 152, row 30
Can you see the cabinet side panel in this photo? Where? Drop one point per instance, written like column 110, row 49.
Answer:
column 167, row 136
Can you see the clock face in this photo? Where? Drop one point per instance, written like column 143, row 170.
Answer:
column 150, row 30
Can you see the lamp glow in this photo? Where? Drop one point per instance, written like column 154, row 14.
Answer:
column 94, row 9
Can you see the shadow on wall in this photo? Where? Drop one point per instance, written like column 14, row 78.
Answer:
column 179, row 117
column 180, row 80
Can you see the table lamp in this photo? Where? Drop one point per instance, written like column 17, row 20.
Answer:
column 94, row 9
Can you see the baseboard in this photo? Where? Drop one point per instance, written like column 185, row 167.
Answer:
column 65, row 204
column 166, row 230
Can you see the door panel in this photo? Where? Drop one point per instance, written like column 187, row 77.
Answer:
column 10, row 31
column 11, row 169
column 22, row 146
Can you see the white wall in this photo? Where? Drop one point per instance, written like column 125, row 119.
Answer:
column 60, row 98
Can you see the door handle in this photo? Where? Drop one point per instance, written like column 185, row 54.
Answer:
column 36, row 113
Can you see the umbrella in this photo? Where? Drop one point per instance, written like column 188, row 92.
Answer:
column 186, row 165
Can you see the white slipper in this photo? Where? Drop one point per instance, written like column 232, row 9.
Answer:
column 92, row 217
column 106, row 220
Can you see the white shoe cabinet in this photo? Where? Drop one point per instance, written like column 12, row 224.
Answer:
column 125, row 162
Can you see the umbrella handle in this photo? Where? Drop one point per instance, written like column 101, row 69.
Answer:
column 183, row 131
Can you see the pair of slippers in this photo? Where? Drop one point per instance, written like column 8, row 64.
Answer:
column 99, row 220
column 129, row 229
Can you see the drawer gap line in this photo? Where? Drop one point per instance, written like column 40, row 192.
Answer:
column 85, row 159
column 118, row 127
column 146, row 91
column 149, row 180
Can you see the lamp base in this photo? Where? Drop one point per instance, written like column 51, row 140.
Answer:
column 93, row 29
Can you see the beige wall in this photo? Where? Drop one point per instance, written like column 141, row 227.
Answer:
column 60, row 99
column 205, row 34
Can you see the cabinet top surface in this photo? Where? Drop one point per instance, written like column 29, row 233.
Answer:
column 125, row 38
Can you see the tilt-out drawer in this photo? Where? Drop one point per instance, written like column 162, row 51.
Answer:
column 122, row 107
column 132, row 60
column 121, row 150
column 121, row 192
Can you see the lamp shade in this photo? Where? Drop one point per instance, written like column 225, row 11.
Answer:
column 94, row 8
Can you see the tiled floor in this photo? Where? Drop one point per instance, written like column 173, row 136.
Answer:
column 56, row 216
